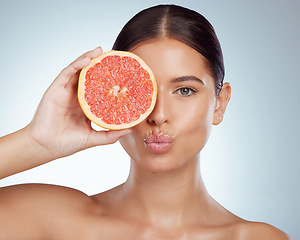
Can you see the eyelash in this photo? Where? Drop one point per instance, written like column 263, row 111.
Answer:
column 191, row 91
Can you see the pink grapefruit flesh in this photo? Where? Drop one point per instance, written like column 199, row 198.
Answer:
column 117, row 90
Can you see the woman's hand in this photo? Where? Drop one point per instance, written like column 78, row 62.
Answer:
column 59, row 126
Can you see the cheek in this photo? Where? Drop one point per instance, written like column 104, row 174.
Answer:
column 133, row 143
column 195, row 123
column 128, row 142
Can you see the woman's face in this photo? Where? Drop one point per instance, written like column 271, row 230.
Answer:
column 179, row 126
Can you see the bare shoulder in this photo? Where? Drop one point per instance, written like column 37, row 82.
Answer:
column 260, row 231
column 39, row 209
column 41, row 194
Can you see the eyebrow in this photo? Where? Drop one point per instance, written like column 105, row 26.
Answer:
column 187, row 78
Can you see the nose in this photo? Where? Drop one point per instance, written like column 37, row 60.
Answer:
column 160, row 113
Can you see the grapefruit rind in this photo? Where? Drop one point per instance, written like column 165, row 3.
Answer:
column 87, row 108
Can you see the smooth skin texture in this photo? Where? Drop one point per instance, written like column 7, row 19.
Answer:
column 164, row 196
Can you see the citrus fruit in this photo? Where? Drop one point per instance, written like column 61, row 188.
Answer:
column 117, row 90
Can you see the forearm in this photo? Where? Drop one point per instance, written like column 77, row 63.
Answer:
column 19, row 153
column 58, row 129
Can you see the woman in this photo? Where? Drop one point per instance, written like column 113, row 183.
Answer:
column 164, row 196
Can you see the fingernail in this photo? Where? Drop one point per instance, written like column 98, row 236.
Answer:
column 100, row 48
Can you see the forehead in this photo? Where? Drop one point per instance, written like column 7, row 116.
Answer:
column 168, row 57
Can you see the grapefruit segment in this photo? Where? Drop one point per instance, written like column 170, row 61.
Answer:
column 117, row 90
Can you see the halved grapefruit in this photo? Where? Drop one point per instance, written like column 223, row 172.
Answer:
column 117, row 90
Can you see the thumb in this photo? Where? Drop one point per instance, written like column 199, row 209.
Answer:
column 106, row 137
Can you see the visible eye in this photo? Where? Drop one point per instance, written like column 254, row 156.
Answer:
column 186, row 91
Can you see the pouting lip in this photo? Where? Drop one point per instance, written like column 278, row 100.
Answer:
column 158, row 138
column 159, row 143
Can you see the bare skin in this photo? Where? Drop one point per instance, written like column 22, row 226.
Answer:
column 164, row 196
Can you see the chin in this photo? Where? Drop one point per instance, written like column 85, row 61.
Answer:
column 160, row 163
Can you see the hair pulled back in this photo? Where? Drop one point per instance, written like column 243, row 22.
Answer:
column 179, row 23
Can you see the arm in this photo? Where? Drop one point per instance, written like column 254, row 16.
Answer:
column 19, row 153
column 58, row 129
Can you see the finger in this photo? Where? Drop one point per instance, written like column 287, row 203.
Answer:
column 91, row 54
column 106, row 137
column 65, row 75
column 81, row 62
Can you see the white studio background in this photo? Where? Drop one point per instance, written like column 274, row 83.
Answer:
column 251, row 162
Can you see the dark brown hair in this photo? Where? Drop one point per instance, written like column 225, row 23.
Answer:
column 176, row 22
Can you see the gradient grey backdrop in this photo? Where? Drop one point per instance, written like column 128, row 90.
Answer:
column 251, row 162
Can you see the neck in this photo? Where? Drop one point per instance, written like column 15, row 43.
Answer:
column 168, row 195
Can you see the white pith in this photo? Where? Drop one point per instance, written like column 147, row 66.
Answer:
column 115, row 90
